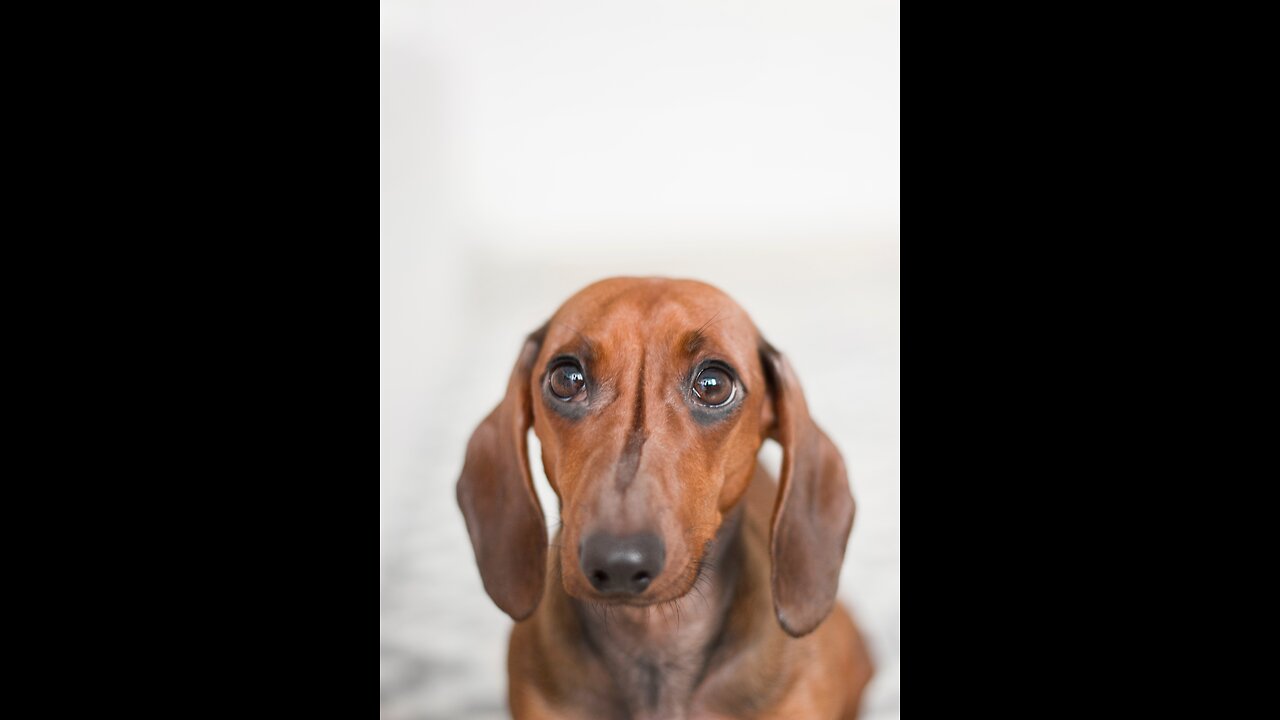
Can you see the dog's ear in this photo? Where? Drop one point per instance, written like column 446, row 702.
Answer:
column 495, row 492
column 813, row 514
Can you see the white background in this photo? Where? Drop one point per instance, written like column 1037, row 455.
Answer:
column 529, row 148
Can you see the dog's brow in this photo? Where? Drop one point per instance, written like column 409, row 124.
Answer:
column 586, row 348
column 693, row 341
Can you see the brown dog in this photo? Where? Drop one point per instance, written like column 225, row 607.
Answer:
column 683, row 583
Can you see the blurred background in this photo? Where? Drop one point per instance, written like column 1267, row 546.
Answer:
column 528, row 149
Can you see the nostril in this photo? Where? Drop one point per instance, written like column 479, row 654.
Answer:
column 640, row 577
column 600, row 577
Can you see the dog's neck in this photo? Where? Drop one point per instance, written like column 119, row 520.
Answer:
column 658, row 655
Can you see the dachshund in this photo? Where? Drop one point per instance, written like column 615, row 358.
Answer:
column 683, row 582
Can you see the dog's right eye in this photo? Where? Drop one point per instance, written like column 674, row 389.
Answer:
column 567, row 380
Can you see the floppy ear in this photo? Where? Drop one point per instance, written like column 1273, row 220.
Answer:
column 814, row 510
column 495, row 492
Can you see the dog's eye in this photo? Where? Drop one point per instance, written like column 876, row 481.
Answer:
column 714, row 387
column 567, row 380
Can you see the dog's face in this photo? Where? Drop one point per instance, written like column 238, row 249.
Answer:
column 650, row 398
column 650, row 407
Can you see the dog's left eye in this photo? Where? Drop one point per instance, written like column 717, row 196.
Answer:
column 714, row 387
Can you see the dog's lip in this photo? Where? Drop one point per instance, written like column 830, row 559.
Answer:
column 632, row 600
column 627, row 601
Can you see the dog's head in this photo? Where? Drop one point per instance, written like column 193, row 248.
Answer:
column 651, row 398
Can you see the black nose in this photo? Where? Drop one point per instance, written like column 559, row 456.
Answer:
column 622, row 565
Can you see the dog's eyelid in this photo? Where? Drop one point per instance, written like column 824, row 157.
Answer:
column 562, row 358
